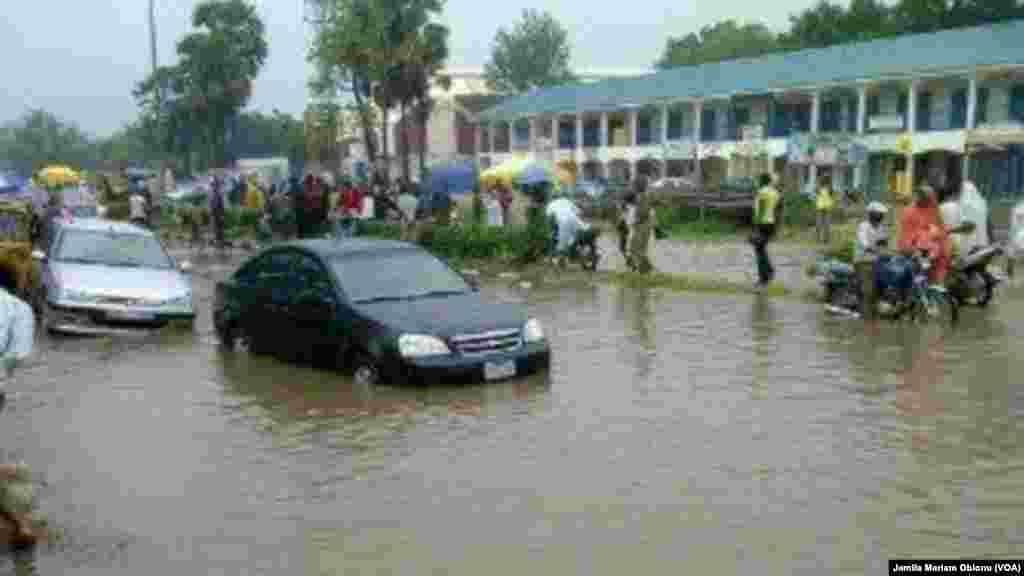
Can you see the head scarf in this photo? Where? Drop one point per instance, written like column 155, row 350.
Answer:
column 974, row 208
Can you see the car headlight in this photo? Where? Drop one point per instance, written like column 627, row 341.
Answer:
column 417, row 345
column 533, row 331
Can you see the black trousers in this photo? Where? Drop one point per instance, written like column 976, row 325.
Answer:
column 765, row 269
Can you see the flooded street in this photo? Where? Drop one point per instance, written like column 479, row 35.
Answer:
column 675, row 432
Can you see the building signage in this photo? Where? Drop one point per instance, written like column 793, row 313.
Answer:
column 995, row 135
column 677, row 150
column 886, row 123
column 752, row 132
column 825, row 150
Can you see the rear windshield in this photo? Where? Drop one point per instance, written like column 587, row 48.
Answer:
column 395, row 274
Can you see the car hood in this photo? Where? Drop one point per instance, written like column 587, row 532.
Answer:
column 126, row 282
column 445, row 316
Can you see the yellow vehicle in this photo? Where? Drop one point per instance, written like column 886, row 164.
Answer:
column 18, row 271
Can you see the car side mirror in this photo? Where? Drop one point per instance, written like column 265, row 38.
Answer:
column 185, row 267
column 38, row 255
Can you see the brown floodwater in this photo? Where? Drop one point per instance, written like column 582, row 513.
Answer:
column 675, row 433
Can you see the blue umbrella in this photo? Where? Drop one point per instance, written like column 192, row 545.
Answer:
column 10, row 183
column 455, row 178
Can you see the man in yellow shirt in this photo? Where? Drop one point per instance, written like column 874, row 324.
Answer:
column 766, row 203
column 823, row 205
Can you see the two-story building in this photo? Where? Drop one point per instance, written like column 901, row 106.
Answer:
column 449, row 132
column 876, row 115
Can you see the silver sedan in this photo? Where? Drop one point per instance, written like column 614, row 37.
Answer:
column 102, row 277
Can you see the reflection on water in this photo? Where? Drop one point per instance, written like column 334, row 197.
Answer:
column 673, row 430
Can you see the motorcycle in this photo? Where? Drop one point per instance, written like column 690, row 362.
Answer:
column 903, row 288
column 970, row 281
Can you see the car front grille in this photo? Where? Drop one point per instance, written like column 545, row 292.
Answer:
column 488, row 342
column 125, row 301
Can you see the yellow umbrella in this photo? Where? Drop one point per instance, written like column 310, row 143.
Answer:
column 502, row 173
column 58, row 175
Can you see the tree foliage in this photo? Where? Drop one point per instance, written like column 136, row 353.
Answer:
column 39, row 138
column 384, row 52
column 534, row 53
column 725, row 40
column 829, row 23
column 187, row 106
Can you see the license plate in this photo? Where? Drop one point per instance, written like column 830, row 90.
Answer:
column 499, row 370
column 129, row 315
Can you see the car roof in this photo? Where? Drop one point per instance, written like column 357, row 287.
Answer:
column 331, row 248
column 100, row 225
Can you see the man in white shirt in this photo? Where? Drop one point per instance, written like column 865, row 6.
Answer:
column 17, row 333
column 137, row 209
column 567, row 218
column 872, row 235
column 974, row 208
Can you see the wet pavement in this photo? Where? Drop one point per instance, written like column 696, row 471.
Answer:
column 731, row 260
column 680, row 433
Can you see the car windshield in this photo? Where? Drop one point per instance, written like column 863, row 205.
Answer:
column 112, row 249
column 398, row 275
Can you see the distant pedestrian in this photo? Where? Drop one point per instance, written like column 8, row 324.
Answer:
column 766, row 202
column 823, row 204
column 641, row 229
column 137, row 209
column 217, row 210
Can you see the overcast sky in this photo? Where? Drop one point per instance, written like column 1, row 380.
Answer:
column 81, row 59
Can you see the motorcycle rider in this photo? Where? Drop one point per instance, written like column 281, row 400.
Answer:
column 921, row 228
column 872, row 235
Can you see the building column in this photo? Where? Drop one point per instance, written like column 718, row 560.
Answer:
column 664, row 125
column 579, row 141
column 512, row 137
column 604, row 129
column 533, row 134
column 698, row 118
column 972, row 117
column 492, row 130
column 911, row 128
column 632, row 128
column 812, row 175
column 555, row 144
column 862, row 116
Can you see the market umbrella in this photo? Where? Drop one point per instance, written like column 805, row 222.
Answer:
column 10, row 183
column 455, row 178
column 534, row 173
column 58, row 175
column 503, row 173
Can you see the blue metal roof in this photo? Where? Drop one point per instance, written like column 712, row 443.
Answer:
column 919, row 54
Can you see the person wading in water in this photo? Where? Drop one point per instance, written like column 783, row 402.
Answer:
column 766, row 203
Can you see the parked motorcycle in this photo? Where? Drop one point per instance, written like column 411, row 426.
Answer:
column 903, row 288
column 970, row 281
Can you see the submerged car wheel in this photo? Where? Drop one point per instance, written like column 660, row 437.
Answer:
column 364, row 371
column 227, row 335
column 980, row 286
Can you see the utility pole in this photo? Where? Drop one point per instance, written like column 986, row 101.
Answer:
column 152, row 34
